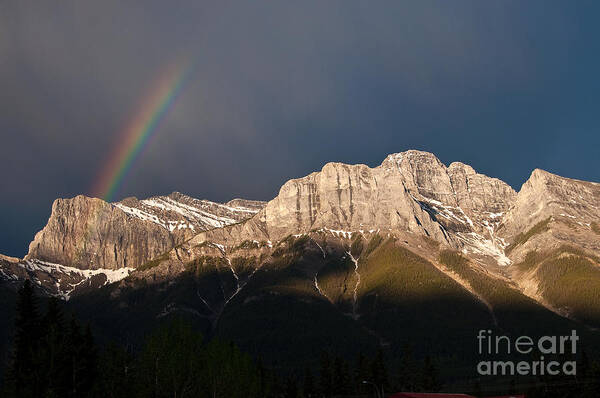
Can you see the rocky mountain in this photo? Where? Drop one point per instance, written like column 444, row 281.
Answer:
column 354, row 256
column 570, row 206
column 554, row 235
column 409, row 192
column 89, row 242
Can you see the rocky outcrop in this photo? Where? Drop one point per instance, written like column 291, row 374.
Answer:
column 410, row 194
column 245, row 206
column 410, row 191
column 185, row 216
column 351, row 198
column 545, row 194
column 550, row 211
column 55, row 279
column 88, row 233
column 478, row 194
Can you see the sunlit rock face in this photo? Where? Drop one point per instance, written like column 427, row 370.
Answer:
column 88, row 233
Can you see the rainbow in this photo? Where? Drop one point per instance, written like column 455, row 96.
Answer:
column 141, row 128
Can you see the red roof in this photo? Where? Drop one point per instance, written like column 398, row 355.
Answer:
column 428, row 395
column 509, row 396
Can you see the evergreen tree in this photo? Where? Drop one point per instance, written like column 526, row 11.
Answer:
column 89, row 359
column 325, row 376
column 361, row 373
column 227, row 372
column 277, row 388
column 341, row 377
column 477, row 389
column 347, row 386
column 170, row 362
column 583, row 367
column 74, row 365
column 308, row 388
column 430, row 379
column 116, row 374
column 291, row 388
column 379, row 375
column 407, row 375
column 52, row 350
column 24, row 376
column 262, row 378
column 591, row 385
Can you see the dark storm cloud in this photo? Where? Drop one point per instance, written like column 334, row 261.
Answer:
column 280, row 88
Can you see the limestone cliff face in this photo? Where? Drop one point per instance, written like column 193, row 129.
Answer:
column 410, row 191
column 545, row 194
column 412, row 196
column 185, row 216
column 88, row 233
column 477, row 193
column 344, row 197
column 564, row 210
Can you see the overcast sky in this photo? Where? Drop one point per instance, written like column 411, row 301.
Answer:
column 281, row 88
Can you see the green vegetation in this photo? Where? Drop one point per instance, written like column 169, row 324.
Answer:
column 56, row 358
column 244, row 262
column 153, row 263
column 404, row 297
column 577, row 252
column 244, row 266
column 432, row 243
column 298, row 243
column 375, row 241
column 571, row 281
column 205, row 263
column 203, row 244
column 521, row 238
column 176, row 362
column 357, row 246
column 496, row 292
column 51, row 357
column 532, row 259
column 513, row 310
column 397, row 272
column 337, row 279
column 291, row 245
column 282, row 315
column 248, row 244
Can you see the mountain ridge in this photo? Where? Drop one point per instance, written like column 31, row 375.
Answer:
column 357, row 257
column 411, row 195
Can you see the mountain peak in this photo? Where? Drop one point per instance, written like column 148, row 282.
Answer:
column 459, row 166
column 412, row 156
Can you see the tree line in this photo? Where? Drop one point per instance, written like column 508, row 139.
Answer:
column 54, row 356
column 365, row 377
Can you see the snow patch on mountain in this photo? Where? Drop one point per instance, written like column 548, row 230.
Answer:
column 67, row 279
column 112, row 275
column 478, row 244
column 180, row 212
